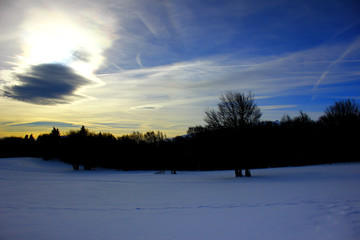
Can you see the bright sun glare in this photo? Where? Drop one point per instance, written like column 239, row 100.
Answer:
column 57, row 37
column 49, row 43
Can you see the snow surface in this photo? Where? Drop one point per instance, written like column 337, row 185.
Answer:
column 48, row 200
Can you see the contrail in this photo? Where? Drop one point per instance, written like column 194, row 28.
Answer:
column 349, row 49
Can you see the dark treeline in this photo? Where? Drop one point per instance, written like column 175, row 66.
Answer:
column 234, row 137
column 251, row 144
column 82, row 147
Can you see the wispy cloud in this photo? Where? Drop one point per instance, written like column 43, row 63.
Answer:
column 271, row 107
column 44, row 124
column 353, row 46
column 146, row 107
column 138, row 59
column 191, row 86
column 265, row 76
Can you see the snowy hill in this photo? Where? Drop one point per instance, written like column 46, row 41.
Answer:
column 47, row 200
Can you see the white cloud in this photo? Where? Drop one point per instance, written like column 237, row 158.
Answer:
column 59, row 34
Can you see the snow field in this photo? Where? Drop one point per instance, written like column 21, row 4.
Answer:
column 48, row 200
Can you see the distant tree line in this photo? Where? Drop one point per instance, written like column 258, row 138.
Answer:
column 233, row 137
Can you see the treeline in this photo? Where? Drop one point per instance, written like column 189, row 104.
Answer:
column 235, row 137
column 246, row 144
column 82, row 147
column 291, row 142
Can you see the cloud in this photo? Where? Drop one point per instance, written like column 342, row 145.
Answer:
column 138, row 59
column 46, row 84
column 190, row 86
column 127, row 125
column 147, row 107
column 53, row 49
column 353, row 46
column 81, row 55
column 271, row 107
column 45, row 124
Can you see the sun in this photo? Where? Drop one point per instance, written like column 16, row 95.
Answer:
column 48, row 43
column 59, row 37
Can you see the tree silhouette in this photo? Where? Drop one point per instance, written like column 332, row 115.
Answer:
column 155, row 138
column 341, row 122
column 343, row 112
column 235, row 110
column 55, row 132
column 303, row 120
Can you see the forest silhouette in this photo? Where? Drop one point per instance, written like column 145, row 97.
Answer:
column 293, row 141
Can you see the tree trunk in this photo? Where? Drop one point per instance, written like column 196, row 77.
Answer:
column 247, row 173
column 238, row 172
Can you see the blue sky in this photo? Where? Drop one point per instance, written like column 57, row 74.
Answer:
column 123, row 66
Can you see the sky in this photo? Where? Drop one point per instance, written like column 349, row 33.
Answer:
column 120, row 66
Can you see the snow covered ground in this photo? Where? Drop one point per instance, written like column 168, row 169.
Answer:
column 48, row 200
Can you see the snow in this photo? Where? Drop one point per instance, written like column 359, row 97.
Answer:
column 48, row 200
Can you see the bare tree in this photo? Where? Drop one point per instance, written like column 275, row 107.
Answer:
column 342, row 112
column 235, row 110
column 303, row 120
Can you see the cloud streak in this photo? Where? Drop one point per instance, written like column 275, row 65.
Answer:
column 146, row 107
column 273, row 75
column 355, row 45
column 186, row 88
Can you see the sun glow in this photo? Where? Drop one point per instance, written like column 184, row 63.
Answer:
column 59, row 37
column 48, row 44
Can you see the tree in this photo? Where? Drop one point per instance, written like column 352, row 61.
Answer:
column 154, row 138
column 134, row 137
column 196, row 129
column 30, row 139
column 343, row 112
column 235, row 110
column 55, row 132
column 303, row 120
column 342, row 127
column 84, row 131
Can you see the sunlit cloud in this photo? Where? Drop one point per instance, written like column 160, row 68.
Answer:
column 60, row 51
